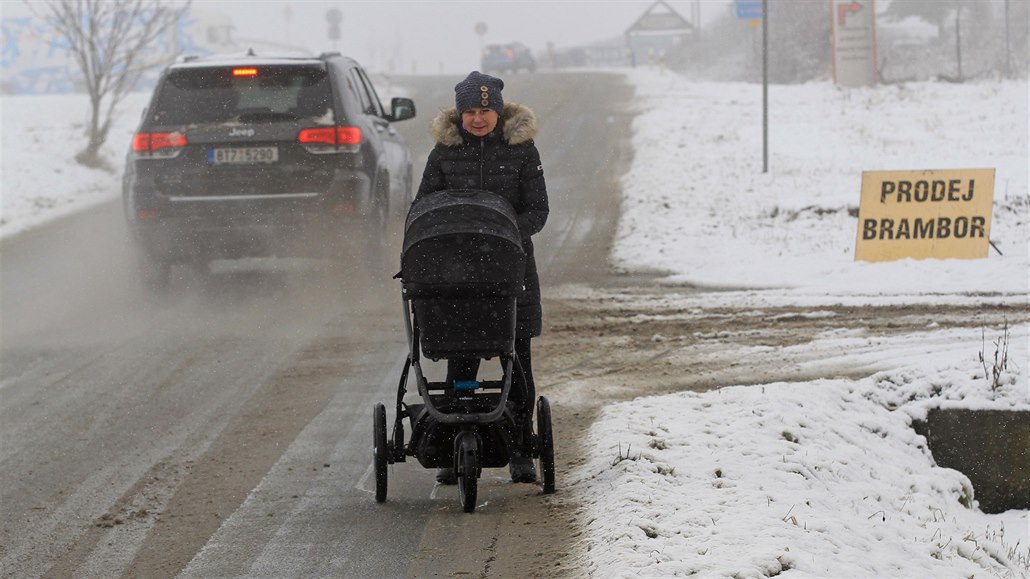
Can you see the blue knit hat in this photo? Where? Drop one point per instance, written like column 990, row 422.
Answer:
column 479, row 90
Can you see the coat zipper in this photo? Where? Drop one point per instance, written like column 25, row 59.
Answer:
column 482, row 162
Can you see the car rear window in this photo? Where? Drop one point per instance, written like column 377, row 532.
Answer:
column 249, row 94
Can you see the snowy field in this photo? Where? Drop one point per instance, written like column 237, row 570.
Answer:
column 41, row 134
column 827, row 478
column 697, row 200
column 803, row 479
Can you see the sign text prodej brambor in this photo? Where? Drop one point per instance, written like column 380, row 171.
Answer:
column 924, row 214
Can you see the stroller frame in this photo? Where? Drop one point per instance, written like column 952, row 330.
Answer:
column 464, row 425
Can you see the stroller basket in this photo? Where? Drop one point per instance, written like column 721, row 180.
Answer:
column 462, row 266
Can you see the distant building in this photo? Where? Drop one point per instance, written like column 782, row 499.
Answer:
column 653, row 38
column 659, row 32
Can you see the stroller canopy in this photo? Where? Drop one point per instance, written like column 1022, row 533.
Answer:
column 462, row 238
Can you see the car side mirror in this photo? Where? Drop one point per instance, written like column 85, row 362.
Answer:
column 401, row 108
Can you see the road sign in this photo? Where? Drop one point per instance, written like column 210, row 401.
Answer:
column 749, row 9
column 854, row 42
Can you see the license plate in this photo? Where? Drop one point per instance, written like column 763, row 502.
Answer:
column 243, row 155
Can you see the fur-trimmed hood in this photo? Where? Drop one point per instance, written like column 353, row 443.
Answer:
column 519, row 125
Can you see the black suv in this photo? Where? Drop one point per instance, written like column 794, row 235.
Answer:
column 251, row 156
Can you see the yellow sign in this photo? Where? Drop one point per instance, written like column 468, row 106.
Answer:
column 925, row 214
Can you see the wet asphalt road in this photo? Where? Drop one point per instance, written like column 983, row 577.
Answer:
column 226, row 429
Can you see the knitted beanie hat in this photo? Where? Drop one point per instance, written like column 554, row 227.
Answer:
column 479, row 90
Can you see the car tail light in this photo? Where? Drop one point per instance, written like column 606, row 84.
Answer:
column 244, row 72
column 158, row 145
column 330, row 139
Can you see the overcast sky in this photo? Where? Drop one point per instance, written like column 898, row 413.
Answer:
column 430, row 37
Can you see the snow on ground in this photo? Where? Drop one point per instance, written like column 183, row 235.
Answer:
column 824, row 478
column 697, row 200
column 807, row 479
column 39, row 181
column 817, row 479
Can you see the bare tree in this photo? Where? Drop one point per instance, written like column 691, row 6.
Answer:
column 109, row 40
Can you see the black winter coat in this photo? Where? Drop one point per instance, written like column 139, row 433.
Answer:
column 505, row 162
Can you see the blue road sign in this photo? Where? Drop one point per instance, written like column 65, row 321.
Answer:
column 749, row 9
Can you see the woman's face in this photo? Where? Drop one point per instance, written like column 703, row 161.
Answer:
column 480, row 122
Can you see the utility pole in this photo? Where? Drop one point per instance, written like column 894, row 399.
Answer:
column 1008, row 47
column 288, row 17
column 333, row 16
column 765, row 86
column 697, row 19
column 480, row 31
column 958, row 38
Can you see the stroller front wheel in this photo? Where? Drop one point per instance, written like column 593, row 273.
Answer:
column 467, row 463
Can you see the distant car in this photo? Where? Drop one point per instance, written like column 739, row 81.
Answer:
column 250, row 156
column 512, row 57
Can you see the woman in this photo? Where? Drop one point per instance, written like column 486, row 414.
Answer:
column 484, row 143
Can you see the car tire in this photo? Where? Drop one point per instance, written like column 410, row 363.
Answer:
column 409, row 195
column 375, row 226
column 403, row 197
column 380, row 214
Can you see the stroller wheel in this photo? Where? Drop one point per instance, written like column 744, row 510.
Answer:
column 545, row 439
column 467, row 460
column 380, row 450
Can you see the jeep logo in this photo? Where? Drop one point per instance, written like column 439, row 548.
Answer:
column 234, row 132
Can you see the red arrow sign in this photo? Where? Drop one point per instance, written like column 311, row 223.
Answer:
column 845, row 9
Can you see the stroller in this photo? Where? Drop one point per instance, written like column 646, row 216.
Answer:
column 462, row 267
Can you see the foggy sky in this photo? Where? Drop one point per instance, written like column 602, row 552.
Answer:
column 433, row 37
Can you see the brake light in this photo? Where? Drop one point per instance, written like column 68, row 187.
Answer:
column 149, row 144
column 348, row 136
column 342, row 138
column 510, row 53
column 331, row 136
column 244, row 72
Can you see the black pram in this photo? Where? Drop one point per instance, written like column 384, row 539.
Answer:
column 462, row 269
